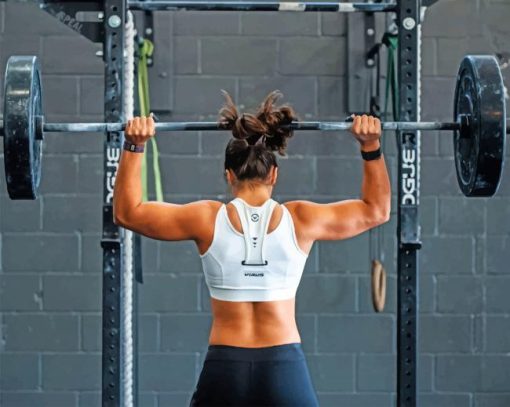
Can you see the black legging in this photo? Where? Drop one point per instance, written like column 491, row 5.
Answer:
column 270, row 376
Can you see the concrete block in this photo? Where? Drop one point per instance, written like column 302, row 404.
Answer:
column 185, row 333
column 20, row 292
column 71, row 214
column 164, row 293
column 72, row 292
column 327, row 293
column 166, row 372
column 63, row 371
column 345, row 256
column 261, row 60
column 460, row 295
column 38, row 398
column 444, row 333
column 20, row 371
column 280, row 24
column 186, row 53
column 332, row 373
column 20, row 216
column 41, row 332
column 360, row 333
column 440, row 255
column 312, row 56
column 207, row 24
column 376, row 373
column 56, row 51
column 40, row 252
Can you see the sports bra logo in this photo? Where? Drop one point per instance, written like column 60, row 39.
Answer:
column 255, row 217
column 254, row 274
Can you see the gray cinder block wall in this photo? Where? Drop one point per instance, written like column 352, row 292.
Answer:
column 50, row 277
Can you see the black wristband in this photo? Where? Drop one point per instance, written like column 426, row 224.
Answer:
column 371, row 155
column 134, row 148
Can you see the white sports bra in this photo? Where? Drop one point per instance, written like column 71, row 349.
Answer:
column 253, row 265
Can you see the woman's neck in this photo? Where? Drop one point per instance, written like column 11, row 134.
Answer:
column 254, row 196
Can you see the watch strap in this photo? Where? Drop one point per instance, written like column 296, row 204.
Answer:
column 371, row 155
column 134, row 148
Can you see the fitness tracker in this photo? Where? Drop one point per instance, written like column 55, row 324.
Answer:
column 371, row 155
column 134, row 148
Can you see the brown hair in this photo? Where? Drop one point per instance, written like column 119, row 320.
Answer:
column 250, row 153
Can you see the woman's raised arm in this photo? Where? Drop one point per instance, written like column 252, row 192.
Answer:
column 157, row 220
column 348, row 218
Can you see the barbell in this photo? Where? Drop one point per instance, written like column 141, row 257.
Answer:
column 479, row 126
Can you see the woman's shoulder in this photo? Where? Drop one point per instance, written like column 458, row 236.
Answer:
column 207, row 207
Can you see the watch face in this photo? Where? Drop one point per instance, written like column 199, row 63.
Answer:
column 133, row 148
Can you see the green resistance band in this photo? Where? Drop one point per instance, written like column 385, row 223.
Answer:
column 146, row 49
column 391, row 79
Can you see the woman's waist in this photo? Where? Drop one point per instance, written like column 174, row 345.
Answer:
column 291, row 351
column 248, row 333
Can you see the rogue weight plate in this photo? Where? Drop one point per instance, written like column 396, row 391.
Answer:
column 22, row 149
column 479, row 147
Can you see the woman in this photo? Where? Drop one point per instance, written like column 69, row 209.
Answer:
column 253, row 250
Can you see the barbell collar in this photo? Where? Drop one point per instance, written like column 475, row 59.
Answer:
column 39, row 127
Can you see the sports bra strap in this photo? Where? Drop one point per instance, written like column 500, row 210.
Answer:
column 255, row 221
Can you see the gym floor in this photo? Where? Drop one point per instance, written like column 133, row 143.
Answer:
column 51, row 259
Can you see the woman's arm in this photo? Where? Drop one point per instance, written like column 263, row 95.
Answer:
column 157, row 220
column 348, row 218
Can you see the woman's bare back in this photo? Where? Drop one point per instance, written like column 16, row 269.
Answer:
column 252, row 324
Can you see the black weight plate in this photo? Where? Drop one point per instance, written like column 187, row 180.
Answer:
column 479, row 150
column 22, row 150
